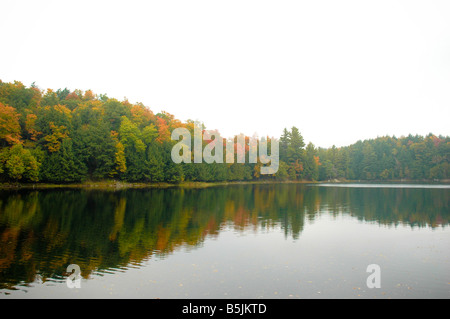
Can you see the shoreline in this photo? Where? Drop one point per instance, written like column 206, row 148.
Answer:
column 116, row 185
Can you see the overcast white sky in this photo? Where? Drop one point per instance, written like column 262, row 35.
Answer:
column 338, row 70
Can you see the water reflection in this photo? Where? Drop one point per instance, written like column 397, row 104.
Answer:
column 41, row 232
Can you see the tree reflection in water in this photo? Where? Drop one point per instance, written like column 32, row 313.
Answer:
column 41, row 232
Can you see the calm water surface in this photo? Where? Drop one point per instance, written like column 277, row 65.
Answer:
column 246, row 241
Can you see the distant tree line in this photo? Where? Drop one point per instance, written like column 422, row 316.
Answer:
column 388, row 158
column 68, row 136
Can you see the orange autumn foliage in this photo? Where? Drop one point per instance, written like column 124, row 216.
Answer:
column 54, row 140
column 30, row 125
column 9, row 125
column 163, row 130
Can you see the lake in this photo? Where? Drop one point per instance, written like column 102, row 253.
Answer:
column 282, row 241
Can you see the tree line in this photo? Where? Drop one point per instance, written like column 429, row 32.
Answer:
column 68, row 136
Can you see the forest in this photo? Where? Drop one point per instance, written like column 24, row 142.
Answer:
column 66, row 136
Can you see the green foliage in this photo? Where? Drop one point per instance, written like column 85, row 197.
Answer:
column 95, row 147
column 18, row 164
column 311, row 167
column 113, row 112
column 154, row 166
column 62, row 166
